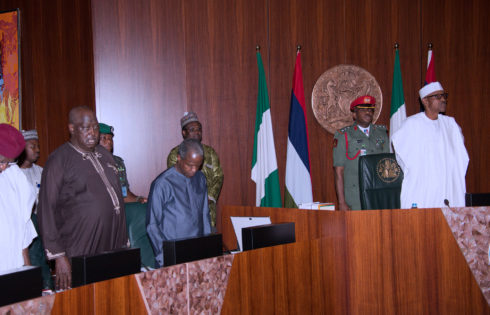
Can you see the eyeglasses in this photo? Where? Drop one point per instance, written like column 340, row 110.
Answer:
column 439, row 96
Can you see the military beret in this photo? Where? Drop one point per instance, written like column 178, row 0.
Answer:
column 365, row 101
column 106, row 129
column 11, row 141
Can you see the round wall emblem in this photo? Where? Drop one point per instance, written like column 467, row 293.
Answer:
column 388, row 170
column 336, row 89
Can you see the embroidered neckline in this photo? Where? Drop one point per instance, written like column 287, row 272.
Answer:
column 94, row 157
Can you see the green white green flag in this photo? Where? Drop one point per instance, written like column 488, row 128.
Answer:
column 264, row 162
column 398, row 112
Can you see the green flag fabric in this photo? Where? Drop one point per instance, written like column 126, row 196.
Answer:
column 398, row 112
column 264, row 162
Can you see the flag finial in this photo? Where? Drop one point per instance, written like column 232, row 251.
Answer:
column 298, row 48
column 430, row 46
column 257, row 48
column 397, row 46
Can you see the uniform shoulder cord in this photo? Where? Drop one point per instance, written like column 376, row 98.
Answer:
column 347, row 149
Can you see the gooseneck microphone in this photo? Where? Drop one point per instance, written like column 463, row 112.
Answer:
column 446, row 202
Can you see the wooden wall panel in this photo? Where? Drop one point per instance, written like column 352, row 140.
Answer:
column 459, row 32
column 140, row 81
column 222, row 80
column 154, row 60
column 57, row 70
column 318, row 27
column 211, row 69
column 372, row 27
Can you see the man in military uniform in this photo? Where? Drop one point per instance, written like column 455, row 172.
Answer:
column 351, row 142
column 106, row 140
column 192, row 128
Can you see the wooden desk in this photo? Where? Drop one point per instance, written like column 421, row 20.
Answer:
column 360, row 262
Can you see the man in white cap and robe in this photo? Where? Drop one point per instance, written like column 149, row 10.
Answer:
column 430, row 150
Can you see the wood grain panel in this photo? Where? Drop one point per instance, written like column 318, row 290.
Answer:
column 75, row 301
column 318, row 26
column 156, row 59
column 459, row 32
column 306, row 222
column 118, row 296
column 56, row 65
column 140, row 81
column 222, row 80
column 208, row 51
column 384, row 262
column 372, row 28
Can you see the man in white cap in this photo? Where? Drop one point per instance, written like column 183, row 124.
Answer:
column 27, row 163
column 211, row 168
column 430, row 149
column 28, row 158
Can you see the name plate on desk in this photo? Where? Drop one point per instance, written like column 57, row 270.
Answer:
column 268, row 235
column 20, row 284
column 105, row 266
column 189, row 249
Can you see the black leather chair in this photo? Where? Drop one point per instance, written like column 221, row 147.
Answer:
column 380, row 181
column 136, row 224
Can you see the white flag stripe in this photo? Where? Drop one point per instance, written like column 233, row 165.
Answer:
column 298, row 182
column 266, row 156
column 397, row 119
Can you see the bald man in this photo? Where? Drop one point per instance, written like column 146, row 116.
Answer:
column 178, row 202
column 81, row 208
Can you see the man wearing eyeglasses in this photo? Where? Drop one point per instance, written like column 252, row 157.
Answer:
column 351, row 142
column 16, row 200
column 430, row 150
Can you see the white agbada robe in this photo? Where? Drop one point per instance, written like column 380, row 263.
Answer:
column 434, row 161
column 16, row 229
column 33, row 175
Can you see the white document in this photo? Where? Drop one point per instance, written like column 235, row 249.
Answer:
column 243, row 222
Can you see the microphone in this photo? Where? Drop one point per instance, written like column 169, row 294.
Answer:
column 446, row 202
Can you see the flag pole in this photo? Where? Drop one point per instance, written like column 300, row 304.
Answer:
column 257, row 48
column 298, row 48
column 429, row 45
column 398, row 112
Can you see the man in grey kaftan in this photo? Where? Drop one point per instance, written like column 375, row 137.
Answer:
column 178, row 202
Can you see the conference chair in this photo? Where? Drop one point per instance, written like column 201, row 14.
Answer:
column 380, row 181
column 136, row 224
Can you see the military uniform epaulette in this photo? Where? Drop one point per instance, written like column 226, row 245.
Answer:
column 342, row 130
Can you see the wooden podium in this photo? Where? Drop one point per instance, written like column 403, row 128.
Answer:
column 355, row 262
